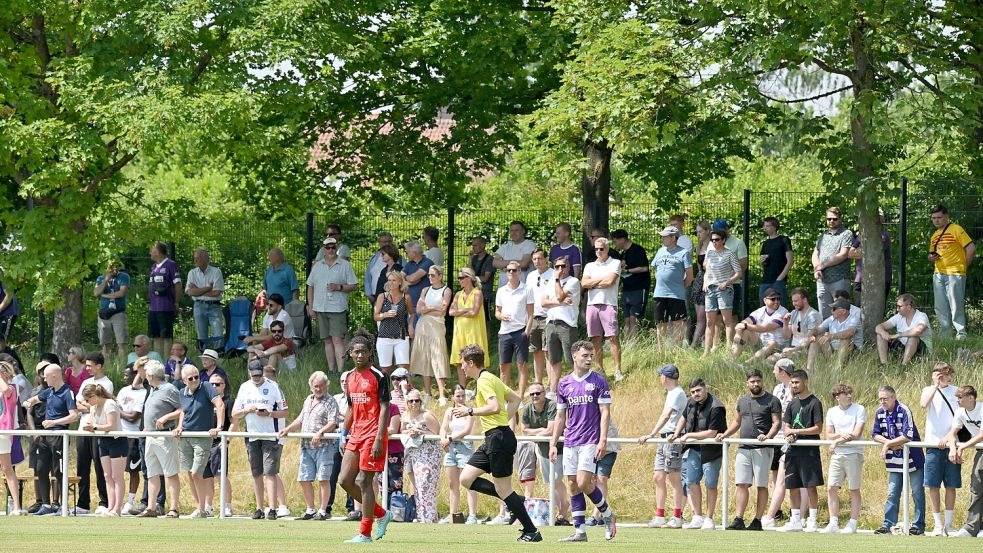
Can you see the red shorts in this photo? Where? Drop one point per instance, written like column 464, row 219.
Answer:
column 364, row 448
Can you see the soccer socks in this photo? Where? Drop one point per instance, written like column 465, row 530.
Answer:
column 578, row 505
column 486, row 487
column 366, row 527
column 378, row 512
column 597, row 498
column 517, row 505
column 660, row 513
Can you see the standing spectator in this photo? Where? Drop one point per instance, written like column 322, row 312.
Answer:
column 840, row 333
column 318, row 416
column 735, row 244
column 394, row 314
column 538, row 419
column 482, row 263
column 111, row 289
column 8, row 416
column 422, row 455
column 678, row 220
column 456, row 455
column 76, row 372
column 105, row 417
column 565, row 247
column 259, row 401
column 673, row 275
column 605, row 466
column 601, row 279
column 831, row 261
column 214, row 466
column 759, row 416
column 430, row 237
column 392, row 262
column 762, row 327
column 844, row 423
column 205, row 286
column 161, row 412
column 636, row 282
column 952, row 251
column 5, row 349
column 59, row 412
column 913, row 336
column 9, row 311
column 723, row 270
column 857, row 254
column 209, row 366
column 775, row 260
column 893, row 427
column 87, row 447
column 803, row 465
column 940, row 404
column 428, row 356
column 344, row 252
column 798, row 327
column 177, row 361
column 517, row 248
column 696, row 295
column 375, row 266
column 164, row 296
column 537, row 282
column 280, row 278
column 469, row 321
column 782, row 371
column 131, row 400
column 202, row 410
column 328, row 286
column 514, row 309
column 668, row 456
column 415, row 269
column 562, row 303
column 967, row 419
column 141, row 348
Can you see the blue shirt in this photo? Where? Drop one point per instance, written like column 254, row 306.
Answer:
column 670, row 272
column 894, row 424
column 281, row 281
column 172, row 371
column 199, row 413
column 409, row 268
column 11, row 310
column 57, row 404
column 115, row 283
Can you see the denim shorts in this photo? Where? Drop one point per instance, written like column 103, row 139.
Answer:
column 458, row 454
column 606, row 464
column 315, row 464
column 940, row 470
column 694, row 469
column 718, row 300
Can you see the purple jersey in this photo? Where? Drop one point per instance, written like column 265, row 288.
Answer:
column 582, row 399
column 164, row 277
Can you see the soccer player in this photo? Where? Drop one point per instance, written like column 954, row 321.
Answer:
column 367, row 394
column 583, row 403
column 495, row 406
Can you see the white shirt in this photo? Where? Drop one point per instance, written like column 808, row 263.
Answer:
column 131, row 401
column 596, row 270
column 513, row 302
column 372, row 271
column 919, row 318
column 322, row 274
column 537, row 283
column 685, row 242
column 284, row 317
column 784, row 394
column 267, row 396
column 761, row 316
column 564, row 312
column 200, row 279
column 676, row 400
column 104, row 381
column 434, row 254
column 939, row 417
column 510, row 251
column 969, row 420
column 844, row 421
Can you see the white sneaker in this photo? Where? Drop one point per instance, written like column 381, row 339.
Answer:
column 227, row 510
column 948, row 530
column 100, row 510
column 209, row 511
column 499, row 520
column 657, row 522
column 79, row 511
column 831, row 528
column 695, row 523
column 811, row 525
column 850, row 528
column 674, row 523
column 938, row 530
column 445, row 520
column 127, row 507
column 791, row 526
column 471, row 520
column 17, row 513
column 980, row 534
column 767, row 522
column 708, row 524
column 442, row 402
column 282, row 511
column 962, row 533
column 618, row 377
column 195, row 514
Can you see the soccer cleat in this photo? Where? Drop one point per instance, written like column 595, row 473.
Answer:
column 695, row 523
column 850, row 528
column 610, row 526
column 657, row 522
column 359, row 538
column 738, row 524
column 576, row 536
column 755, row 525
column 792, row 526
column 674, row 523
column 961, row 533
column 533, row 536
column 382, row 524
column 708, row 524
column 258, row 515
column 831, row 528
column 811, row 525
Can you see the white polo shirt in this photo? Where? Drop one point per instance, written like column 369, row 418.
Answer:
column 537, row 283
column 566, row 313
column 596, row 270
column 513, row 302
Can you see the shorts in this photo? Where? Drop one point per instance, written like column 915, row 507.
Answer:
column 577, row 458
column 717, row 300
column 634, row 302
column 537, row 335
column 668, row 457
column 113, row 327
column 315, row 464
column 544, row 467
column 939, row 470
column 160, row 324
column 514, row 345
column 803, row 468
column 774, row 337
column 897, row 348
column 559, row 341
column 777, row 456
column 388, row 348
column 161, row 456
column 194, row 454
column 134, row 458
column 752, row 466
column 458, row 454
column 264, row 457
column 525, row 461
column 496, row 453
column 114, row 448
column 849, row 466
column 606, row 465
column 290, row 361
column 668, row 310
column 214, row 466
column 6, row 444
column 332, row 325
column 363, row 446
column 696, row 470
column 602, row 320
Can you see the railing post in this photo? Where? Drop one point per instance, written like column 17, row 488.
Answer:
column 724, row 496
column 64, row 475
column 552, row 477
column 224, row 460
column 903, row 239
column 905, row 485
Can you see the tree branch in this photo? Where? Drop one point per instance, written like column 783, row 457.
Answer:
column 108, row 172
column 206, row 58
column 830, row 68
column 44, row 57
column 809, row 99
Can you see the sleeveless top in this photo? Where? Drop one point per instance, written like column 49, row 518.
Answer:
column 458, row 424
column 394, row 327
column 434, row 297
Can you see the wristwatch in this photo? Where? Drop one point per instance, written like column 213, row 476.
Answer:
column 470, row 411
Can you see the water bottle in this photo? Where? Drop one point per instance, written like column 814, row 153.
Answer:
column 112, row 305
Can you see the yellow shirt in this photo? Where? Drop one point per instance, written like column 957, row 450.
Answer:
column 490, row 385
column 952, row 249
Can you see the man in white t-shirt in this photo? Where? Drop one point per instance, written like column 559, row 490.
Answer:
column 601, row 279
column 763, row 326
column 844, row 422
column 840, row 333
column 537, row 282
column 517, row 248
column 87, row 447
column 131, row 399
column 678, row 220
column 259, row 401
column 969, row 417
column 275, row 311
column 514, row 309
column 797, row 329
column 913, row 332
column 562, row 303
column 668, row 456
column 940, row 404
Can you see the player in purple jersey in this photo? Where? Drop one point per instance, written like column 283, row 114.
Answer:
column 583, row 402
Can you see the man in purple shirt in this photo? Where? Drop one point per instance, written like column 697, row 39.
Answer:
column 583, row 403
column 164, row 294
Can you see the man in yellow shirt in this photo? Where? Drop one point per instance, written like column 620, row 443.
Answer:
column 495, row 405
column 951, row 250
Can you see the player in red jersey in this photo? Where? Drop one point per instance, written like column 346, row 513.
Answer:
column 367, row 393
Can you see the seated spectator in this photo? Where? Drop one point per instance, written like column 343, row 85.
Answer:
column 764, row 327
column 8, row 416
column 202, row 410
column 177, row 361
column 967, row 422
column 422, row 455
column 893, row 427
column 797, row 329
column 844, row 423
column 457, row 452
column 275, row 350
column 855, row 311
column 141, row 348
column 913, row 334
column 259, row 401
column 275, row 311
column 76, row 372
column 104, row 416
column 209, row 366
column 840, row 333
column 161, row 411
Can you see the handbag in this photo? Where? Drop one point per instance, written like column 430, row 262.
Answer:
column 964, row 435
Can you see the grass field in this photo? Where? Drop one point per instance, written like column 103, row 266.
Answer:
column 285, row 536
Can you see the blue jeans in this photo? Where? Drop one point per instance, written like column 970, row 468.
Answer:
column 950, row 303
column 779, row 287
column 209, row 321
column 894, row 498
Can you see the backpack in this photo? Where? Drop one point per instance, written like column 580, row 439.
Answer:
column 402, row 506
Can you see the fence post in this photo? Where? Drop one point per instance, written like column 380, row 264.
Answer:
column 450, row 242
column 64, row 475
column 726, row 476
column 903, row 238
column 309, row 244
column 550, row 483
column 905, row 485
column 384, row 485
column 745, row 279
column 224, row 463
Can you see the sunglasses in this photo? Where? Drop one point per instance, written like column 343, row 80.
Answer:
column 559, row 266
column 413, row 401
column 193, row 378
column 773, row 298
column 535, row 394
column 276, row 331
column 600, row 249
column 511, row 270
column 463, row 277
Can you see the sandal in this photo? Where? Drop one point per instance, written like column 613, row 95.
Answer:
column 172, row 514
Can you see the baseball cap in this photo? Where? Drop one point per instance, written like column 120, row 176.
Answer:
column 786, row 365
column 400, row 373
column 840, row 304
column 329, row 240
column 211, row 354
column 670, row 371
column 669, row 231
column 720, row 224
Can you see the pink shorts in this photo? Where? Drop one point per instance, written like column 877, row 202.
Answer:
column 602, row 320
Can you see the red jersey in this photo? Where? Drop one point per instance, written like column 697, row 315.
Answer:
column 365, row 390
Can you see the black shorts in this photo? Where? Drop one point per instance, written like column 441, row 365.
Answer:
column 134, row 460
column 777, row 457
column 803, row 468
column 514, row 345
column 213, row 467
column 668, row 310
column 160, row 324
column 634, row 302
column 114, row 448
column 897, row 348
column 497, row 454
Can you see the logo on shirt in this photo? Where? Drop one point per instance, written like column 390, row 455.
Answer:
column 360, row 398
column 266, row 391
column 589, row 387
column 580, row 400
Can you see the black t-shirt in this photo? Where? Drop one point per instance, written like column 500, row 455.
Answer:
column 483, row 265
column 636, row 256
column 380, row 283
column 711, row 414
column 803, row 413
column 775, row 249
column 755, row 414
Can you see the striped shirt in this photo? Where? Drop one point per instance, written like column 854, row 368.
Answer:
column 720, row 266
column 893, row 424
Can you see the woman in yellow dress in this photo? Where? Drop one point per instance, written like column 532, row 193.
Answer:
column 468, row 310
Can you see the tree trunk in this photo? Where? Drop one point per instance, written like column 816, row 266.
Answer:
column 67, row 326
column 595, row 186
column 976, row 135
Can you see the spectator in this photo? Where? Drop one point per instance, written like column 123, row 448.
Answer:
column 430, row 237
column 696, row 295
column 940, row 404
column 775, row 260
column 673, row 275
column 723, row 270
column 318, row 416
column 276, row 350
column 328, row 286
column 131, row 400
column 762, row 327
column 481, row 262
column 344, row 252
column 856, row 253
column 209, row 366
column 913, row 336
column 161, row 412
column 214, row 466
column 514, row 309
column 952, row 251
column 840, row 333
column 798, row 327
column 8, row 421
column 177, row 361
column 893, row 427
column 803, row 465
column 259, row 401
column 967, row 419
column 428, row 356
column 76, row 372
column 735, row 244
column 274, row 312
column 392, row 262
column 565, row 247
column 845, row 422
column 469, row 320
column 59, row 412
column 205, row 286
column 601, row 280
column 590, row 255
column 782, row 371
column 605, row 466
column 111, row 289
column 87, row 447
column 538, row 419
column 394, row 314
column 562, row 303
column 423, row 455
column 141, row 348
column 759, row 416
column 415, row 269
column 538, row 281
column 202, row 410
column 5, row 349
column 164, row 297
column 636, row 280
column 271, row 374
column 831, row 261
column 517, row 248
column 9, row 311
column 141, row 378
column 456, row 454
column 678, row 220
column 668, row 456
column 105, row 417
column 280, row 278
column 375, row 266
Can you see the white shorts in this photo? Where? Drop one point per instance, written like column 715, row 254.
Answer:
column 6, row 442
column 388, row 348
column 848, row 467
column 161, row 455
column 579, row 457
